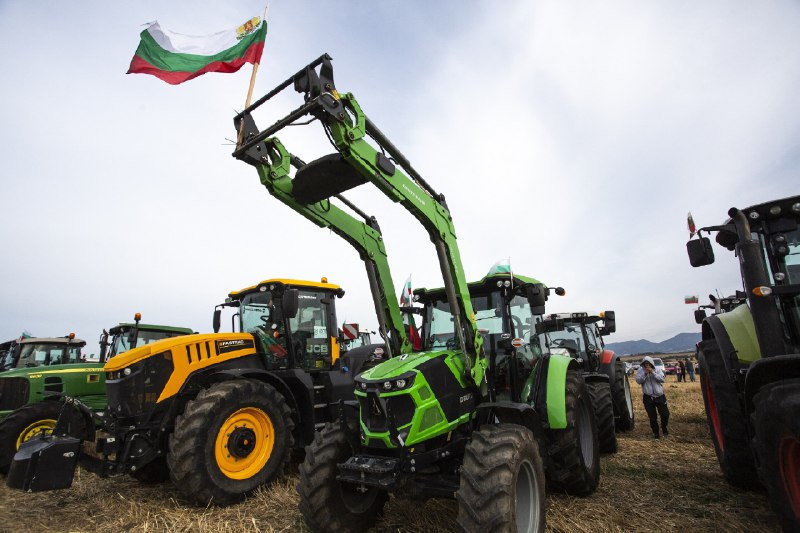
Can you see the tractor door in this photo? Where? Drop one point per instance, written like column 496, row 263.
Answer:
column 313, row 330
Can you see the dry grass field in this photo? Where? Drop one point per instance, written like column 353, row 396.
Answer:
column 649, row 485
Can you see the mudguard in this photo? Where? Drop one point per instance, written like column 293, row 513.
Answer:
column 608, row 362
column 736, row 336
column 556, row 382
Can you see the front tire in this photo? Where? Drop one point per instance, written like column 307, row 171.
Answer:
column 502, row 482
column 574, row 451
column 232, row 438
column 622, row 398
column 600, row 392
column 326, row 504
column 31, row 421
column 726, row 419
column 777, row 443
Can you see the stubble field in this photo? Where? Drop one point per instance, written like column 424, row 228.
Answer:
column 649, row 485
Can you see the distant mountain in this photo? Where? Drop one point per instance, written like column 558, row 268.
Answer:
column 682, row 342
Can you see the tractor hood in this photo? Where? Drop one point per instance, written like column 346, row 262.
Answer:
column 189, row 346
column 399, row 365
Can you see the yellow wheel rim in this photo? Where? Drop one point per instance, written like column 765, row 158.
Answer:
column 244, row 443
column 40, row 426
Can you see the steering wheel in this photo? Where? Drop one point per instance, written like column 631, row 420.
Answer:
column 265, row 319
column 451, row 343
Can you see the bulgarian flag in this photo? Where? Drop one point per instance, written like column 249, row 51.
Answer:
column 501, row 267
column 405, row 293
column 693, row 299
column 176, row 58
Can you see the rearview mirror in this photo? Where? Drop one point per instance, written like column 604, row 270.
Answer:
column 536, row 294
column 290, row 303
column 609, row 323
column 217, row 319
column 699, row 315
column 700, row 252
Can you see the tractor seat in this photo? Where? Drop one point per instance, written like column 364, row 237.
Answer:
column 325, row 177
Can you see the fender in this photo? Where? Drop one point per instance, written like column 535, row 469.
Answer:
column 735, row 334
column 766, row 371
column 608, row 362
column 556, row 382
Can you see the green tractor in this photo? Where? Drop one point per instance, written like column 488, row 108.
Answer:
column 750, row 356
column 29, row 394
column 580, row 336
column 524, row 370
column 430, row 423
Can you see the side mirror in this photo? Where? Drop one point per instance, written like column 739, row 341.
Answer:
column 700, row 252
column 536, row 294
column 290, row 303
column 699, row 315
column 217, row 319
column 609, row 323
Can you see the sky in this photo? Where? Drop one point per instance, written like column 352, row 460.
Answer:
column 571, row 137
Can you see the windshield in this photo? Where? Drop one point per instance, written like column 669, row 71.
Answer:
column 570, row 338
column 256, row 310
column 42, row 354
column 792, row 266
column 657, row 362
column 438, row 326
column 122, row 340
column 439, row 329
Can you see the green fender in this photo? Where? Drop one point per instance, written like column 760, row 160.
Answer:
column 556, row 386
column 741, row 331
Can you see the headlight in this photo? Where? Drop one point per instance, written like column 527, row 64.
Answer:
column 127, row 371
column 400, row 384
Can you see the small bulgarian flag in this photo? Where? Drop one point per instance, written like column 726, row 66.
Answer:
column 691, row 299
column 176, row 58
column 405, row 293
column 501, row 267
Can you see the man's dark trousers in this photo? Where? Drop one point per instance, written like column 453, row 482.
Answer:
column 659, row 404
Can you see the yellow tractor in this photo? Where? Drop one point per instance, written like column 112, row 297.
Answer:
column 217, row 413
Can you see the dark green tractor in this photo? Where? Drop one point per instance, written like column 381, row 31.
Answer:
column 750, row 356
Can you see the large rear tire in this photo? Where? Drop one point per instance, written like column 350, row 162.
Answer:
column 777, row 443
column 623, row 400
column 726, row 420
column 502, row 482
column 326, row 504
column 30, row 421
column 232, row 438
column 600, row 392
column 574, row 451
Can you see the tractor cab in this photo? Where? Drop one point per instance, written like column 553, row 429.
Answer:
column 293, row 321
column 126, row 336
column 48, row 351
column 579, row 335
column 505, row 319
column 719, row 305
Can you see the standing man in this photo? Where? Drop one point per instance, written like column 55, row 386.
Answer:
column 651, row 380
column 690, row 369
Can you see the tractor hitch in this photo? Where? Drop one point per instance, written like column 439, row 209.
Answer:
column 381, row 472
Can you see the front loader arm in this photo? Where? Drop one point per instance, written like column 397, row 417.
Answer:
column 365, row 237
column 348, row 127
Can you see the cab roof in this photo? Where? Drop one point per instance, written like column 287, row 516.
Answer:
column 582, row 317
column 52, row 340
column 151, row 327
column 292, row 283
column 487, row 283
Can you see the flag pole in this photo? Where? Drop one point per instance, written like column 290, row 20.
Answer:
column 252, row 83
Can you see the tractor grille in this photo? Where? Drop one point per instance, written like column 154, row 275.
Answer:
column 13, row 393
column 375, row 416
column 136, row 393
